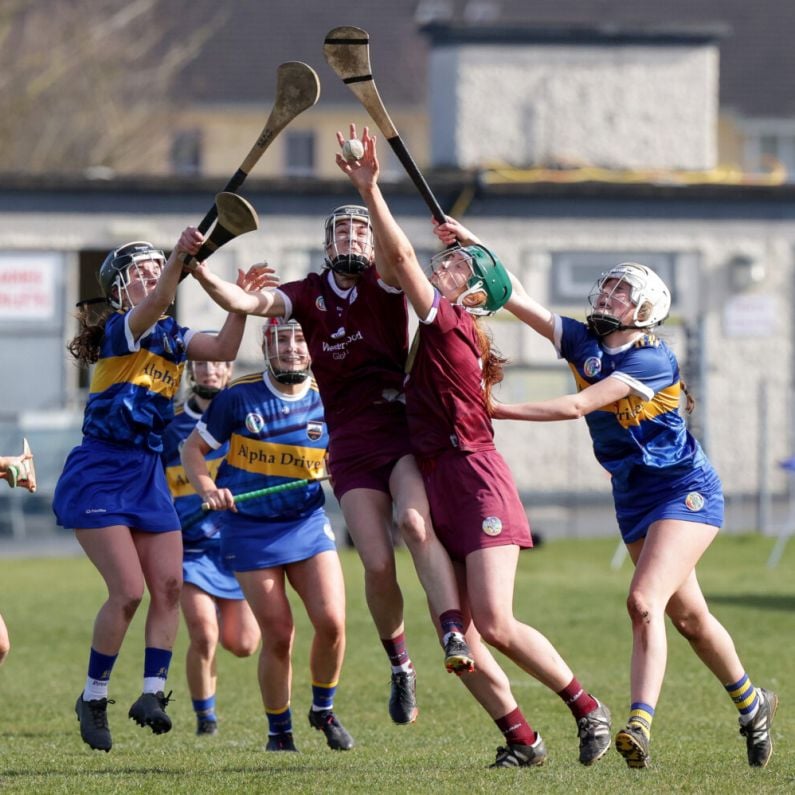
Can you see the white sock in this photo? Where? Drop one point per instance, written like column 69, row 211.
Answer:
column 154, row 684
column 95, row 689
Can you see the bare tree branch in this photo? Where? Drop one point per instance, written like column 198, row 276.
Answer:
column 87, row 83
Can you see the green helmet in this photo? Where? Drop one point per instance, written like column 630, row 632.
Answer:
column 487, row 276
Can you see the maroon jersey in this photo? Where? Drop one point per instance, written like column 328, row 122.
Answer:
column 444, row 391
column 358, row 340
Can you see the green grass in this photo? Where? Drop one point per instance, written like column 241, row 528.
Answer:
column 565, row 589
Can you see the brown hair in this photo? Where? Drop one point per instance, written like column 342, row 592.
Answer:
column 85, row 347
column 493, row 362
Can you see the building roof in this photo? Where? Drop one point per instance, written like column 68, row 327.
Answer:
column 238, row 65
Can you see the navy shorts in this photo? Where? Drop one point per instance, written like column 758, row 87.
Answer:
column 105, row 484
column 695, row 497
column 203, row 566
column 474, row 502
column 250, row 544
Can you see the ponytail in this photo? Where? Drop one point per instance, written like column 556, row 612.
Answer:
column 85, row 347
column 493, row 363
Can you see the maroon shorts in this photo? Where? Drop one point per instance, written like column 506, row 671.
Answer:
column 363, row 453
column 474, row 502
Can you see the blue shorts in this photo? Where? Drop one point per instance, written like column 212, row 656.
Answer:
column 203, row 567
column 694, row 497
column 105, row 484
column 250, row 544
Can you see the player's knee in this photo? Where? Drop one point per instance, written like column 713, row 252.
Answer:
column 127, row 601
column 5, row 648
column 203, row 644
column 639, row 608
column 169, row 592
column 495, row 631
column 279, row 641
column 243, row 646
column 689, row 624
column 413, row 527
column 331, row 631
column 380, row 573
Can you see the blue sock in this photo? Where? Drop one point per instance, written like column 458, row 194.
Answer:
column 323, row 695
column 156, row 662
column 99, row 670
column 279, row 721
column 204, row 707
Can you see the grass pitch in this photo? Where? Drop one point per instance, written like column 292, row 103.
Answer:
column 566, row 589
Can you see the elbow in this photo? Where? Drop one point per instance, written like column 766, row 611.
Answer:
column 576, row 410
column 402, row 258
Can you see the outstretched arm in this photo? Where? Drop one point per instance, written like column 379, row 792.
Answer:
column 565, row 407
column 233, row 298
column 529, row 311
column 396, row 256
column 146, row 313
column 221, row 347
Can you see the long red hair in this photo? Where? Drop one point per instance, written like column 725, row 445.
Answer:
column 493, row 362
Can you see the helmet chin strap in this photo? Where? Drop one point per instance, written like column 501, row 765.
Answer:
column 290, row 376
column 206, row 392
column 602, row 324
column 349, row 264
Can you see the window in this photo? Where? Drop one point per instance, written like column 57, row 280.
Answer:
column 573, row 273
column 300, row 153
column 770, row 143
column 186, row 153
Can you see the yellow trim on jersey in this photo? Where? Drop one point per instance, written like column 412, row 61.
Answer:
column 251, row 378
column 632, row 410
column 278, row 460
column 141, row 368
column 247, row 379
column 178, row 482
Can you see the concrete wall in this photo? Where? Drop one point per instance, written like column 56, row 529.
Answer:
column 621, row 107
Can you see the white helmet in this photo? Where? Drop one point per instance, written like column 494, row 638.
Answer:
column 648, row 293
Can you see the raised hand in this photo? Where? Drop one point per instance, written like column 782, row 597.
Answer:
column 257, row 278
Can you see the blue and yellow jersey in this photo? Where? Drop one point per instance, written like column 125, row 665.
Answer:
column 186, row 500
column 134, row 383
column 273, row 439
column 643, row 434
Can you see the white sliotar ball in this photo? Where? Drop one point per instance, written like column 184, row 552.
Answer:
column 353, row 150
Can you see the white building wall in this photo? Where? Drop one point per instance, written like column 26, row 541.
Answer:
column 620, row 107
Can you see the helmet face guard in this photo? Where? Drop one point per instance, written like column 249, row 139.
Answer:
column 205, row 390
column 348, row 227
column 483, row 283
column 648, row 294
column 116, row 272
column 285, row 350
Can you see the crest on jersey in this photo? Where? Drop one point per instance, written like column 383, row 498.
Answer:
column 314, row 430
column 320, row 303
column 694, row 501
column 254, row 422
column 492, row 525
column 592, row 366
